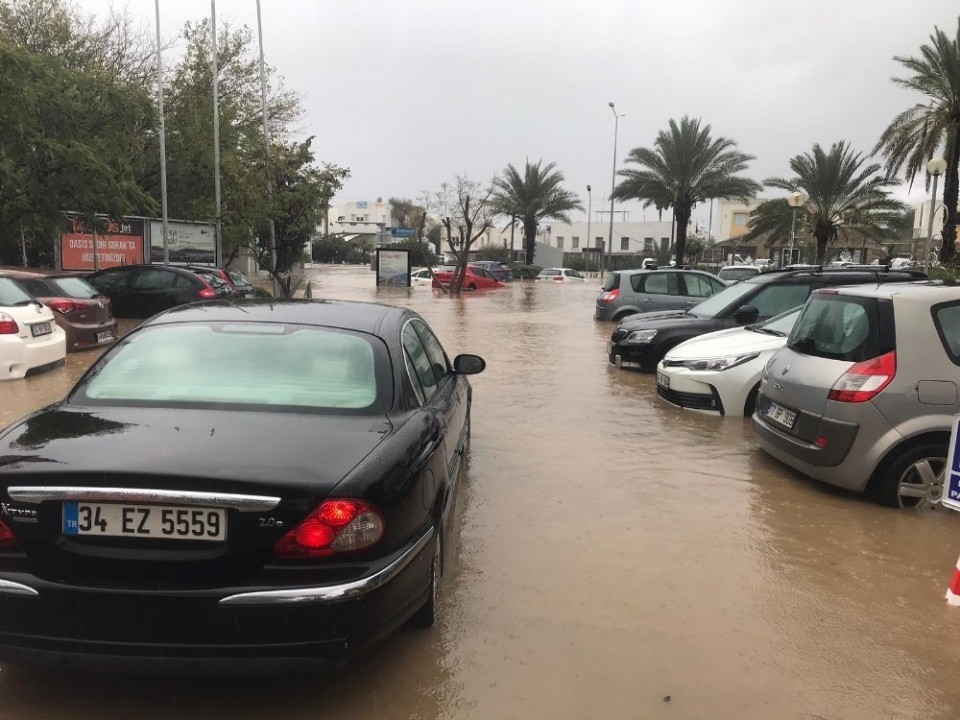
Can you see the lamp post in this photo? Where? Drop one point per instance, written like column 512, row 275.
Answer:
column 589, row 206
column 795, row 200
column 613, row 182
column 935, row 167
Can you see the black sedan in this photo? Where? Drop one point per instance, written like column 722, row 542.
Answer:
column 139, row 291
column 234, row 488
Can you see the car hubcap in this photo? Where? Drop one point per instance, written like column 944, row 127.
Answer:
column 921, row 484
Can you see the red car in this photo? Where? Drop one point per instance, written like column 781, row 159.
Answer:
column 476, row 278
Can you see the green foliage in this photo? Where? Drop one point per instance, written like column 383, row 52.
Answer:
column 845, row 199
column 532, row 197
column 930, row 126
column 522, row 271
column 685, row 167
column 584, row 262
column 495, row 253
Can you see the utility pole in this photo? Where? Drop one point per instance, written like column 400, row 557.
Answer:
column 163, row 150
column 218, row 237
column 266, row 156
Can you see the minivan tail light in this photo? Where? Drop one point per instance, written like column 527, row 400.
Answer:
column 207, row 292
column 335, row 527
column 865, row 380
column 609, row 297
column 8, row 326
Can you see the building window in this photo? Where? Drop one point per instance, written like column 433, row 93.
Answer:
column 624, row 243
column 648, row 245
column 664, row 243
column 341, row 218
column 358, row 218
column 559, row 241
column 740, row 219
column 575, row 242
column 599, row 242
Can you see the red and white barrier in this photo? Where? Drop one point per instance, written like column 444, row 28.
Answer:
column 953, row 590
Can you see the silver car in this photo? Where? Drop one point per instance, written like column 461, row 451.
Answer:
column 627, row 292
column 863, row 393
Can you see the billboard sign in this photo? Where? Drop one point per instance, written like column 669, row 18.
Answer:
column 120, row 243
column 393, row 268
column 187, row 242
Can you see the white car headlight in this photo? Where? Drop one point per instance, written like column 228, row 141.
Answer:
column 720, row 363
column 640, row 337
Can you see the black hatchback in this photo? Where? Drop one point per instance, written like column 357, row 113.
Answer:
column 640, row 341
column 139, row 291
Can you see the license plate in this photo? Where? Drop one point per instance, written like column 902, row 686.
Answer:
column 663, row 380
column 103, row 337
column 44, row 328
column 780, row 415
column 144, row 521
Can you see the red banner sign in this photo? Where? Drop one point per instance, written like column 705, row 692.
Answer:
column 120, row 244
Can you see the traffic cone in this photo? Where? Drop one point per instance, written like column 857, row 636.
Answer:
column 953, row 590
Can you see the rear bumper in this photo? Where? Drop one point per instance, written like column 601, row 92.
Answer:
column 217, row 630
column 86, row 337
column 17, row 357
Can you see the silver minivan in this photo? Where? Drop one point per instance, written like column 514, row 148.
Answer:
column 863, row 393
column 627, row 292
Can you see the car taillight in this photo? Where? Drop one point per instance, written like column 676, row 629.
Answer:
column 609, row 297
column 7, row 538
column 207, row 292
column 865, row 380
column 63, row 306
column 337, row 526
column 8, row 326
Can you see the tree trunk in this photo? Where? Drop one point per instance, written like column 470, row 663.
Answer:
column 822, row 239
column 682, row 216
column 951, row 195
column 530, row 240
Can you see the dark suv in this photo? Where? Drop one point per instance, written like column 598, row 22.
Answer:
column 642, row 340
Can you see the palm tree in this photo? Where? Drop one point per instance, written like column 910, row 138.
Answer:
column 685, row 167
column 532, row 197
column 845, row 199
column 919, row 132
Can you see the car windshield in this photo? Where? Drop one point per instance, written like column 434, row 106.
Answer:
column 223, row 364
column 12, row 294
column 549, row 272
column 737, row 273
column 75, row 288
column 238, row 278
column 713, row 305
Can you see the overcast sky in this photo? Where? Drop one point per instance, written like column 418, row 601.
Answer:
column 409, row 94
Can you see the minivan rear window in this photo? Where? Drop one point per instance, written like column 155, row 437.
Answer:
column 841, row 327
column 612, row 282
column 947, row 320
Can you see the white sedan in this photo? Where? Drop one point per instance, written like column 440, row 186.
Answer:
column 560, row 275
column 421, row 278
column 30, row 339
column 720, row 372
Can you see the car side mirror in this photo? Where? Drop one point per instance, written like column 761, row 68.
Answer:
column 746, row 314
column 468, row 364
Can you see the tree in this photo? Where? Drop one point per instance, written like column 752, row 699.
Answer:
column 332, row 178
column 920, row 132
column 685, row 167
column 67, row 143
column 466, row 212
column 533, row 197
column 845, row 199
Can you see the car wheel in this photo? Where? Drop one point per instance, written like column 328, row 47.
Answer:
column 471, row 286
column 914, row 478
column 426, row 616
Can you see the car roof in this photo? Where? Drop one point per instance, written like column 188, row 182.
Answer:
column 856, row 275
column 932, row 290
column 363, row 316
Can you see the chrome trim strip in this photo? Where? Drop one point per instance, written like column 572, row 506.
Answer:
column 332, row 592
column 8, row 587
column 242, row 503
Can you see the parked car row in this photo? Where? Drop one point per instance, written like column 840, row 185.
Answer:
column 81, row 310
column 854, row 383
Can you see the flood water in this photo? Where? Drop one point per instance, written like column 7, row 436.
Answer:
column 617, row 558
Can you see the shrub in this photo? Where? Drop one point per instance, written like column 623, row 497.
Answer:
column 525, row 272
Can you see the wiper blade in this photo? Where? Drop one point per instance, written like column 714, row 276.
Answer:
column 765, row 331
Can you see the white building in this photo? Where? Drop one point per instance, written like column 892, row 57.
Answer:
column 628, row 237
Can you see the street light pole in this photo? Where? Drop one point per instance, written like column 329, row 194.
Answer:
column 589, row 207
column 163, row 151
column 794, row 200
column 935, row 167
column 613, row 181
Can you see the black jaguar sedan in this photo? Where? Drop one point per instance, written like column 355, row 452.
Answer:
column 234, row 487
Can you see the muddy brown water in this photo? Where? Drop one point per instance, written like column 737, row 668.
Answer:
column 613, row 552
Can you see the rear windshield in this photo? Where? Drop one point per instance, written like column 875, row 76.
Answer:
column 550, row 271
column 712, row 306
column 737, row 273
column 12, row 294
column 842, row 327
column 75, row 288
column 250, row 364
column 612, row 282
